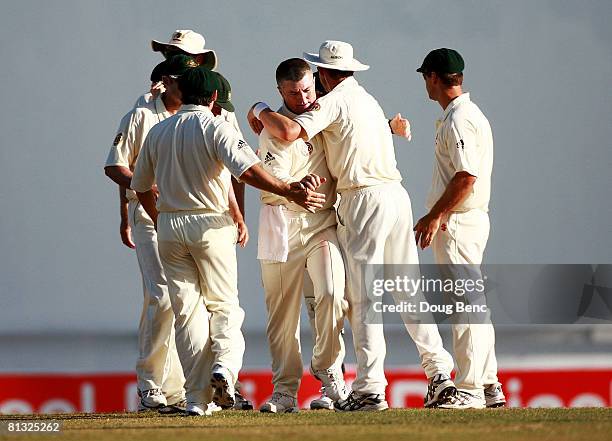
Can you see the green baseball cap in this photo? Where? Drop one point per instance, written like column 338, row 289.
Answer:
column 442, row 60
column 199, row 82
column 174, row 66
column 224, row 93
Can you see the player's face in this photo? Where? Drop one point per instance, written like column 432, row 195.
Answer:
column 172, row 88
column 430, row 85
column 299, row 95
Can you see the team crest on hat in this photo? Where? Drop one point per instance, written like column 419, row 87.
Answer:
column 177, row 36
column 117, row 139
column 191, row 63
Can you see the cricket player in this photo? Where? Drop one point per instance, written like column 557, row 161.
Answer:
column 457, row 224
column 374, row 215
column 159, row 373
column 191, row 156
column 310, row 243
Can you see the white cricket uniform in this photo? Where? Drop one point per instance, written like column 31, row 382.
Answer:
column 158, row 364
column 464, row 142
column 375, row 220
column 189, row 155
column 313, row 245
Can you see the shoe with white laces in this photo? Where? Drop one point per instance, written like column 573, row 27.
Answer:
column 323, row 402
column 280, row 403
column 241, row 403
column 494, row 395
column 199, row 409
column 440, row 387
column 223, row 386
column 361, row 402
column 178, row 407
column 462, row 400
column 333, row 382
column 151, row 399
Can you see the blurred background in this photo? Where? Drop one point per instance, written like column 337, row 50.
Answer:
column 70, row 295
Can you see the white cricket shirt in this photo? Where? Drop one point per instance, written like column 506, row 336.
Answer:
column 291, row 161
column 464, row 142
column 191, row 156
column 133, row 129
column 356, row 136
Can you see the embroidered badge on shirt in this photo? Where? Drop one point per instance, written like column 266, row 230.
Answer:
column 242, row 144
column 118, row 139
column 310, row 148
column 460, row 144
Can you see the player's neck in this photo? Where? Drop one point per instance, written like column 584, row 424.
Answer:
column 448, row 95
column 172, row 104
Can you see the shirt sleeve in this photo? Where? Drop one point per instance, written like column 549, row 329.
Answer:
column 124, row 150
column 230, row 117
column 277, row 157
column 324, row 112
column 463, row 149
column 144, row 171
column 232, row 150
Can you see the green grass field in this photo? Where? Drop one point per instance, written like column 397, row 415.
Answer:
column 405, row 424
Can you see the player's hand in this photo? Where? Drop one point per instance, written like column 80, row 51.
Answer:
column 305, row 197
column 425, row 230
column 155, row 191
column 312, row 181
column 254, row 123
column 157, row 88
column 243, row 233
column 126, row 235
column 400, row 127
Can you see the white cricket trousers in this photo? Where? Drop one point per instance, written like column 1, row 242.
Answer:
column 375, row 227
column 464, row 242
column 198, row 251
column 313, row 245
column 158, row 365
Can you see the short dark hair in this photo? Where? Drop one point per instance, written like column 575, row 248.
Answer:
column 197, row 100
column 292, row 69
column 449, row 79
column 338, row 74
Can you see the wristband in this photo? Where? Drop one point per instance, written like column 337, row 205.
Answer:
column 258, row 108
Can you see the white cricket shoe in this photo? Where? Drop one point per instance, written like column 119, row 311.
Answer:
column 151, row 399
column 361, row 402
column 280, row 403
column 494, row 395
column 199, row 409
column 223, row 386
column 462, row 400
column 440, row 387
column 323, row 402
column 333, row 382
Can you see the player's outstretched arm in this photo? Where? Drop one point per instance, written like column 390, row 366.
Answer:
column 295, row 191
column 400, row 127
column 279, row 126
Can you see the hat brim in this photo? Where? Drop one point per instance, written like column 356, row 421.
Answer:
column 227, row 105
column 352, row 66
column 210, row 59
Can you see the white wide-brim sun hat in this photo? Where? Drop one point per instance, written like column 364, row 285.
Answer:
column 336, row 55
column 190, row 42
